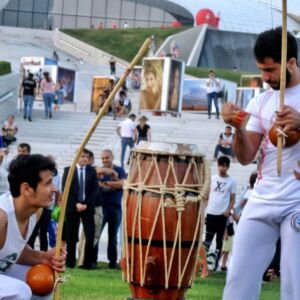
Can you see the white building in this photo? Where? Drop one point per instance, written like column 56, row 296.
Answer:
column 250, row 16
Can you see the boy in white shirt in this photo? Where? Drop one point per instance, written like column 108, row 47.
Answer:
column 221, row 201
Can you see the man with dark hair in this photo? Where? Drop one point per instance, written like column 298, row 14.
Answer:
column 24, row 148
column 111, row 183
column 225, row 143
column 273, row 208
column 123, row 106
column 80, row 207
column 126, row 131
column 31, row 189
column 213, row 85
column 28, row 91
column 220, row 203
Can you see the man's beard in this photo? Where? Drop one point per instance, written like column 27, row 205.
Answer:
column 276, row 84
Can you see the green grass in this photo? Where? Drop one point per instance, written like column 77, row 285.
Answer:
column 105, row 284
column 122, row 43
column 231, row 75
column 125, row 43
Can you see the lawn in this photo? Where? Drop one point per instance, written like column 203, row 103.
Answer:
column 105, row 284
column 125, row 43
column 122, row 43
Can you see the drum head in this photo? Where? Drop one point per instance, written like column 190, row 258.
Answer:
column 164, row 148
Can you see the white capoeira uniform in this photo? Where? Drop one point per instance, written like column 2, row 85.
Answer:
column 272, row 211
column 13, row 276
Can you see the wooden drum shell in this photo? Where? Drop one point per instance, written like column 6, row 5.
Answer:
column 162, row 239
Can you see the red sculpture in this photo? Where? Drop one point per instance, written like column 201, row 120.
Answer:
column 206, row 16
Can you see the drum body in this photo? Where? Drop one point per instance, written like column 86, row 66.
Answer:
column 163, row 209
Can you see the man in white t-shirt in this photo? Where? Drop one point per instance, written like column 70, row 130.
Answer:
column 125, row 131
column 213, row 85
column 220, row 203
column 273, row 209
column 225, row 143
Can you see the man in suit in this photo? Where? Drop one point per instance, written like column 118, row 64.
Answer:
column 80, row 206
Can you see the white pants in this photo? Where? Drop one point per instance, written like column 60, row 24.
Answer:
column 13, row 285
column 254, row 244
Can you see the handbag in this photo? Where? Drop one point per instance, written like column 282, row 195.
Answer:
column 221, row 94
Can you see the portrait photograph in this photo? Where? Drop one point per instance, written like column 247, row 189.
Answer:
column 175, row 86
column 100, row 84
column 67, row 78
column 253, row 81
column 152, row 84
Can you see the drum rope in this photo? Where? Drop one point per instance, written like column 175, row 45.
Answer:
column 202, row 221
column 192, row 247
column 178, row 201
column 140, row 196
column 125, row 233
column 207, row 177
column 163, row 224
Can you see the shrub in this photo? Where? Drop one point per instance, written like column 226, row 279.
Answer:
column 5, row 67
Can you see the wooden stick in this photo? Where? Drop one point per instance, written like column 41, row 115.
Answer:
column 88, row 135
column 282, row 79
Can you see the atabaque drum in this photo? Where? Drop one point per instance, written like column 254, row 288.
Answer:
column 163, row 213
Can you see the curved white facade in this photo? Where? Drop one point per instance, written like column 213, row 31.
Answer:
column 251, row 16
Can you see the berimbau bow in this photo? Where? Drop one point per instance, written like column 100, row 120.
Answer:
column 88, row 135
column 282, row 80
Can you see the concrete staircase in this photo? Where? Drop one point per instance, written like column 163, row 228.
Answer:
column 61, row 136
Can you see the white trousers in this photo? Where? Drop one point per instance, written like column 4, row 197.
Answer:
column 254, row 244
column 13, row 285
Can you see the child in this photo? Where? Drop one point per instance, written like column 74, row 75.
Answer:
column 220, row 203
column 227, row 245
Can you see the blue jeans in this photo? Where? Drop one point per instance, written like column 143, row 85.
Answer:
column 48, row 100
column 226, row 151
column 28, row 104
column 125, row 141
column 112, row 215
column 210, row 97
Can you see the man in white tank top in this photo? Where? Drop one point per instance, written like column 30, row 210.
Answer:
column 273, row 209
column 31, row 189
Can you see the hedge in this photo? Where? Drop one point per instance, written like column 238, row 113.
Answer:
column 5, row 67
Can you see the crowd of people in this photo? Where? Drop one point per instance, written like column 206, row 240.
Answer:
column 267, row 216
column 53, row 94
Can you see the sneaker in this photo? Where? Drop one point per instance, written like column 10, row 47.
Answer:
column 50, row 115
column 25, row 117
column 29, row 119
column 224, row 269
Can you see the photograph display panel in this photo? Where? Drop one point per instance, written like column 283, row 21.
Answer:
column 244, row 95
column 154, row 84
column 100, row 84
column 194, row 96
column 175, row 86
column 67, row 78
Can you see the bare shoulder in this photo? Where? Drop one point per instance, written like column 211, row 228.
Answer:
column 3, row 227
